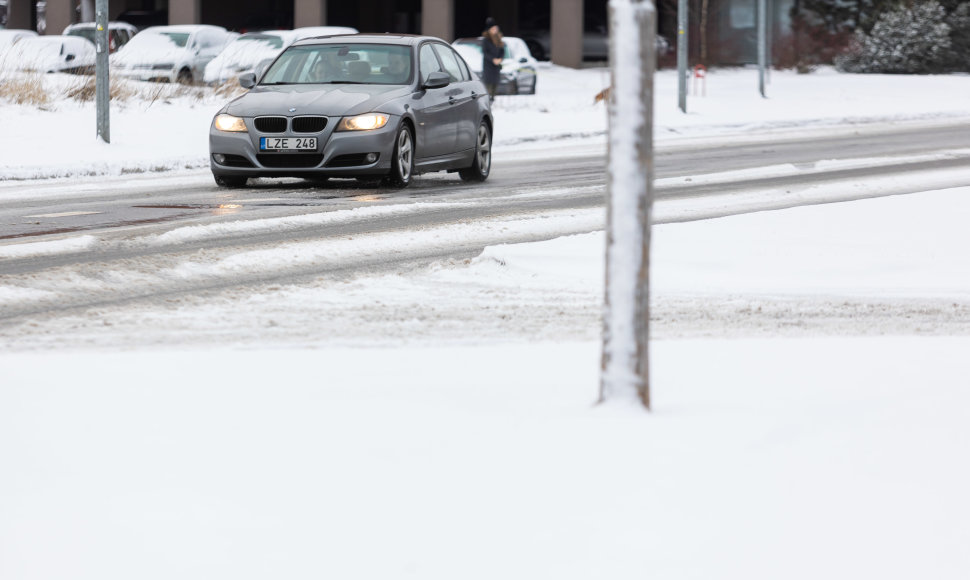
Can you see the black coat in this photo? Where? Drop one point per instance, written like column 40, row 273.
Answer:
column 490, row 70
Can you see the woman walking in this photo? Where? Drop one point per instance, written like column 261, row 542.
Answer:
column 493, row 51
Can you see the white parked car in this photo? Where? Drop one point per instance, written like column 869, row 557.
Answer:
column 52, row 54
column 119, row 33
column 254, row 51
column 519, row 70
column 171, row 53
column 9, row 37
column 245, row 53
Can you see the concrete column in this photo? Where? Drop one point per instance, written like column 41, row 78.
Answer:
column 309, row 13
column 438, row 19
column 566, row 34
column 184, row 12
column 60, row 14
column 18, row 14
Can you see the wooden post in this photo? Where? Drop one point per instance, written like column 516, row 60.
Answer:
column 626, row 314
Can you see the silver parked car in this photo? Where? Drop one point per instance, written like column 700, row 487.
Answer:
column 364, row 105
column 171, row 53
column 254, row 51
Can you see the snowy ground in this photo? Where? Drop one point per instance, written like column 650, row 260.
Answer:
column 809, row 376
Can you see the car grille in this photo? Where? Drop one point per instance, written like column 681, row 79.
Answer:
column 289, row 160
column 309, row 124
column 270, row 124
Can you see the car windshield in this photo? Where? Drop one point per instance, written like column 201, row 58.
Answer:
column 83, row 33
column 179, row 38
column 242, row 43
column 369, row 64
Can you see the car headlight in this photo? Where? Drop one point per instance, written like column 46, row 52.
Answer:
column 367, row 122
column 230, row 123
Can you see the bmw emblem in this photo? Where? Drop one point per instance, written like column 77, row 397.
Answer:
column 292, row 109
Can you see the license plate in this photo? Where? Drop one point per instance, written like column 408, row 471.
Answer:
column 287, row 143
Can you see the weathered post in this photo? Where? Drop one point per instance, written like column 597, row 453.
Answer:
column 682, row 54
column 102, row 87
column 762, row 44
column 629, row 202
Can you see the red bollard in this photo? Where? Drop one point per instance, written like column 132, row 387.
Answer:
column 700, row 75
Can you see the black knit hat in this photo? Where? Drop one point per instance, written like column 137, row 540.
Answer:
column 490, row 22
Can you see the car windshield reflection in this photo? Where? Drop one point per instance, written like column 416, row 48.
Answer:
column 365, row 64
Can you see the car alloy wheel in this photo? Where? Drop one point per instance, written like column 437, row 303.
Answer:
column 402, row 165
column 482, row 163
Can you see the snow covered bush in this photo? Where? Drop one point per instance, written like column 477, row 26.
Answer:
column 913, row 39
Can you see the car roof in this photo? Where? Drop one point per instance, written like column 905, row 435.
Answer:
column 369, row 38
column 112, row 24
column 183, row 28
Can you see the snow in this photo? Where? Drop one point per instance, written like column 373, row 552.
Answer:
column 808, row 371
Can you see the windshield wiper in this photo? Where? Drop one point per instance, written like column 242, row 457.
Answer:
column 345, row 83
column 274, row 84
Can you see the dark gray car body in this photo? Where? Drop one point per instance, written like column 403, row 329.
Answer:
column 445, row 122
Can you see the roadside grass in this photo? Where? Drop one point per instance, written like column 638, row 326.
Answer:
column 46, row 90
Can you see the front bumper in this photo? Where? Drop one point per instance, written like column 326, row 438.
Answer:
column 338, row 153
column 145, row 74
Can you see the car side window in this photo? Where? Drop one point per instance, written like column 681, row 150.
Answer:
column 429, row 63
column 451, row 63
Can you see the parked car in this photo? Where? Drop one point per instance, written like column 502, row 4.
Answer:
column 518, row 75
column 244, row 54
column 254, row 51
column 171, row 53
column 364, row 106
column 9, row 37
column 119, row 33
column 54, row 53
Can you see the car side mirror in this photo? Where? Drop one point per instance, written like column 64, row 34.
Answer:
column 523, row 60
column 437, row 80
column 248, row 80
column 69, row 58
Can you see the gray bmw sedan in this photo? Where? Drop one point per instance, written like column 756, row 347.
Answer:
column 370, row 106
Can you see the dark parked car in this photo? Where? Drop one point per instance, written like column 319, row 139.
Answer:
column 364, row 106
column 119, row 33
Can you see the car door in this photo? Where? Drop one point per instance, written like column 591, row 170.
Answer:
column 462, row 95
column 434, row 112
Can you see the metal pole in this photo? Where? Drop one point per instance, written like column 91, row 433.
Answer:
column 682, row 54
column 626, row 315
column 762, row 44
column 102, row 87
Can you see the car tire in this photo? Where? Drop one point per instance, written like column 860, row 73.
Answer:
column 535, row 82
column 482, row 163
column 184, row 77
column 230, row 180
column 402, row 161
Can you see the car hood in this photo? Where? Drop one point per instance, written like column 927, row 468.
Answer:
column 327, row 100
